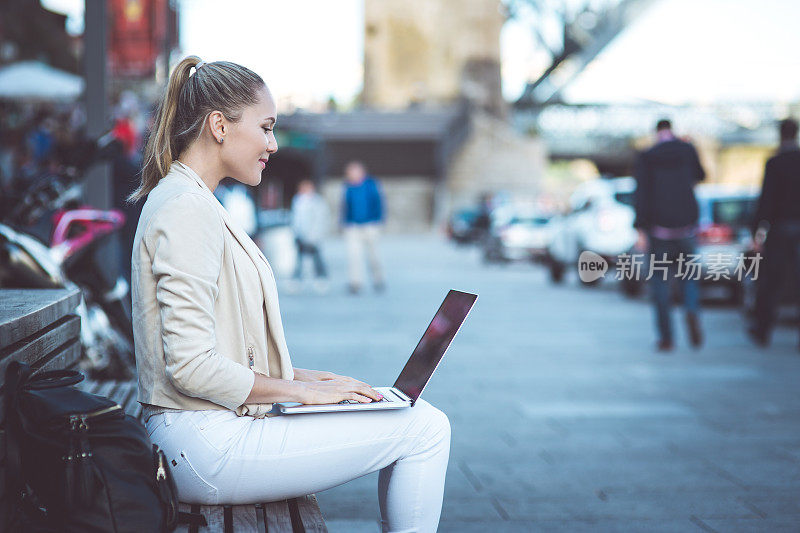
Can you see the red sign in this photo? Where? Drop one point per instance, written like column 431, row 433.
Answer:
column 137, row 31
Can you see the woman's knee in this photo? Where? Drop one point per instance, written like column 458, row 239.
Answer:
column 437, row 424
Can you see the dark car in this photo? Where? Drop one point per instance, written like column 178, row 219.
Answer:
column 466, row 225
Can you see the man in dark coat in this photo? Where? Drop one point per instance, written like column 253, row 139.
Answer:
column 666, row 217
column 779, row 209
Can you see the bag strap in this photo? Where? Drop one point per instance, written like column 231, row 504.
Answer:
column 54, row 379
column 17, row 375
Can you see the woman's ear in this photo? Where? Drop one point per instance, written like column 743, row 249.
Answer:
column 217, row 125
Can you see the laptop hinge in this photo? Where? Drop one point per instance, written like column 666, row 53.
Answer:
column 400, row 394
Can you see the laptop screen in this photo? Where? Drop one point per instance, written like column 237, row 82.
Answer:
column 434, row 343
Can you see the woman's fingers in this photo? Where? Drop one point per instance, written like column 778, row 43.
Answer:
column 369, row 392
column 359, row 398
column 336, row 391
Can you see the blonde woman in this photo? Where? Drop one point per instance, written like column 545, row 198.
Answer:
column 210, row 349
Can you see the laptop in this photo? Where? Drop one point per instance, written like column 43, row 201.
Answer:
column 418, row 370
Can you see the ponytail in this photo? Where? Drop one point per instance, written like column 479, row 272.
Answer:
column 190, row 97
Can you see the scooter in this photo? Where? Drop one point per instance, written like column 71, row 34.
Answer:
column 77, row 239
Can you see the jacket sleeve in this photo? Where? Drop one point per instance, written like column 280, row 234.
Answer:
column 765, row 212
column 699, row 172
column 641, row 194
column 186, row 241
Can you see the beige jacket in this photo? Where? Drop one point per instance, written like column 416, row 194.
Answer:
column 194, row 271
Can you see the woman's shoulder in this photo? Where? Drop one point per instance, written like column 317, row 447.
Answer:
column 176, row 205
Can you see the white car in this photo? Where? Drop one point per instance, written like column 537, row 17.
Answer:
column 600, row 220
column 517, row 232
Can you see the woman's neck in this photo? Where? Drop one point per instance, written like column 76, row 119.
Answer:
column 196, row 158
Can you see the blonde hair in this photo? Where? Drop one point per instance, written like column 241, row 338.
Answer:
column 189, row 99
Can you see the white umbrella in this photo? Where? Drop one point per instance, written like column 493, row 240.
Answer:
column 37, row 81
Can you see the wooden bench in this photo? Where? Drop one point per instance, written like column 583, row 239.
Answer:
column 38, row 327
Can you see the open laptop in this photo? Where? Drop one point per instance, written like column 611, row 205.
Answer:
column 418, row 370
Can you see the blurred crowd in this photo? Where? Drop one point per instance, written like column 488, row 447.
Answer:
column 37, row 139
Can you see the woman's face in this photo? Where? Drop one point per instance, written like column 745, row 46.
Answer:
column 250, row 141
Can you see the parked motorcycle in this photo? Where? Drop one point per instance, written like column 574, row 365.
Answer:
column 49, row 210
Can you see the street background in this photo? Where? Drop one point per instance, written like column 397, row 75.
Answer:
column 563, row 418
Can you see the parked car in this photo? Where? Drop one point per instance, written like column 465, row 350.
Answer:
column 517, row 232
column 726, row 213
column 723, row 235
column 600, row 219
column 465, row 226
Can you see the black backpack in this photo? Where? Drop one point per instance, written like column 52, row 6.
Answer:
column 77, row 462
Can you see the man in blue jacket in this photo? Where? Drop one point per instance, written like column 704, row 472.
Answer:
column 667, row 217
column 362, row 214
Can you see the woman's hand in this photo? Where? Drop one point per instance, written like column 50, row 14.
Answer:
column 337, row 390
column 302, row 374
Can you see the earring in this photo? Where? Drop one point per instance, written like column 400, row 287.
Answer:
column 221, row 139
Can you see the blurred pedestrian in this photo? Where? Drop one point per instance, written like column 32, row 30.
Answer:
column 666, row 217
column 239, row 203
column 362, row 215
column 40, row 139
column 309, row 223
column 779, row 208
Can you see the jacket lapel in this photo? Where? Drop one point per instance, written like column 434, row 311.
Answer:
column 267, row 277
column 265, row 273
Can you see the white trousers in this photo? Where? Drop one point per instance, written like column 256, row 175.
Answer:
column 358, row 238
column 219, row 458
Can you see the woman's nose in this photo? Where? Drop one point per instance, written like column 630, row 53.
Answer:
column 272, row 145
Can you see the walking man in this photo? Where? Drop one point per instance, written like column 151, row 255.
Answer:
column 309, row 222
column 362, row 214
column 666, row 217
column 779, row 208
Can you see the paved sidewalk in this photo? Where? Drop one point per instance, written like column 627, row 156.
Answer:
column 563, row 417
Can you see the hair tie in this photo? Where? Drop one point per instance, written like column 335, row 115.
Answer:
column 196, row 68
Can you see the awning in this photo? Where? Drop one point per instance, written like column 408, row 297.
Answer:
column 34, row 80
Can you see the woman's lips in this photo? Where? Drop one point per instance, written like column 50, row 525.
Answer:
column 263, row 163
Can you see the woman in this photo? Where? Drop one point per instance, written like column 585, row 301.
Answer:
column 210, row 349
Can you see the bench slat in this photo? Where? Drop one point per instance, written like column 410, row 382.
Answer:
column 33, row 348
column 278, row 517
column 24, row 312
column 309, row 514
column 261, row 519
